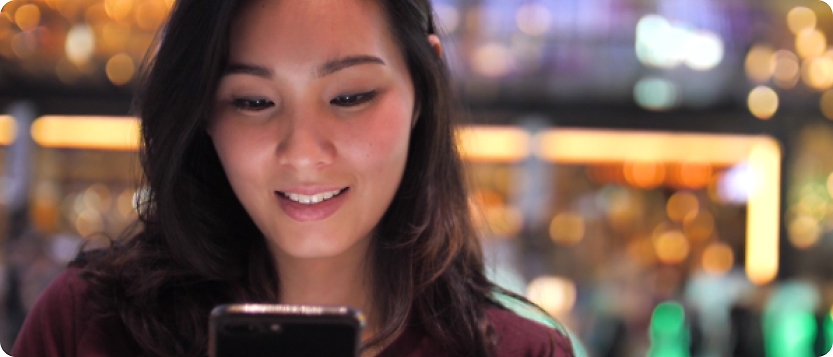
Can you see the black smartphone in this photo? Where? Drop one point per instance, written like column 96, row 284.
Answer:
column 274, row 330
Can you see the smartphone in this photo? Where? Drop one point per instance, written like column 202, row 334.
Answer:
column 274, row 330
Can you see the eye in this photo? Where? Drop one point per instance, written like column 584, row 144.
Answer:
column 252, row 104
column 351, row 100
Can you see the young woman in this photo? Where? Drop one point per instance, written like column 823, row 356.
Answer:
column 297, row 152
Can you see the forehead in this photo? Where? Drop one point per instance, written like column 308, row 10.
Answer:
column 305, row 30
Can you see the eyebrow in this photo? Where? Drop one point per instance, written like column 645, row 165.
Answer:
column 325, row 69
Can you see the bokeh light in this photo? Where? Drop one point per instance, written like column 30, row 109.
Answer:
column 682, row 204
column 760, row 63
column 672, row 247
column 810, row 42
column 644, row 174
column 705, row 51
column 27, row 17
column 556, row 295
column 718, row 258
column 787, row 69
column 567, row 228
column 804, row 231
column 150, row 14
column 656, row 93
column 120, row 69
column 826, row 104
column 118, row 9
column 817, row 72
column 492, row 60
column 800, row 19
column 763, row 102
column 80, row 44
column 699, row 226
column 533, row 19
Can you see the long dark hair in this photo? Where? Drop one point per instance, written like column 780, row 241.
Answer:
column 197, row 247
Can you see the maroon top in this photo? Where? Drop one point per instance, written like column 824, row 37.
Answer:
column 60, row 325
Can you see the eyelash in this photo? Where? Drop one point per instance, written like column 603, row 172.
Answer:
column 258, row 104
column 252, row 104
column 353, row 100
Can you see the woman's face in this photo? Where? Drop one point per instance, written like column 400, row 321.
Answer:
column 312, row 122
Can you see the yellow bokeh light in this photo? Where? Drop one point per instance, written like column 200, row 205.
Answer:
column 493, row 143
column 682, row 204
column 8, row 129
column 699, row 227
column 830, row 185
column 826, row 104
column 811, row 42
column 718, row 258
column 694, row 174
column 760, row 65
column 120, row 69
column 800, row 19
column 672, row 247
column 554, row 294
column 763, row 102
column 118, row 9
column 27, row 17
column 817, row 72
column 644, row 174
column 115, row 36
column 804, row 231
column 5, row 27
column 96, row 15
column 87, row 133
column 88, row 223
column 763, row 223
column 150, row 14
column 567, row 228
column 787, row 69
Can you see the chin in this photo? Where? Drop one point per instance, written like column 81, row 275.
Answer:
column 314, row 247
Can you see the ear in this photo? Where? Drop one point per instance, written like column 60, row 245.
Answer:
column 436, row 44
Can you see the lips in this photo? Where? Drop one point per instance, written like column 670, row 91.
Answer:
column 314, row 198
column 312, row 205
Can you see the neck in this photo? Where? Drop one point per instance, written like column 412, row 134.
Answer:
column 344, row 280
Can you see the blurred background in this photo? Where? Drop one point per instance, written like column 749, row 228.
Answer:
column 655, row 173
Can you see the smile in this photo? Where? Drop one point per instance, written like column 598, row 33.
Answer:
column 312, row 199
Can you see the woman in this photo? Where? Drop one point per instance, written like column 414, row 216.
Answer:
column 299, row 152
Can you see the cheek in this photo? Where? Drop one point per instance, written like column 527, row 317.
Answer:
column 383, row 143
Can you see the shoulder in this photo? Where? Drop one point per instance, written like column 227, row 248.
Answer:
column 520, row 336
column 50, row 328
column 61, row 323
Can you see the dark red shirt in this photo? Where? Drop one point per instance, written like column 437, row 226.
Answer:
column 60, row 325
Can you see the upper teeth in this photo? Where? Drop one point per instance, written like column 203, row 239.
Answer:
column 312, row 199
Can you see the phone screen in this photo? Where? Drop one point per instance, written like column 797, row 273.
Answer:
column 278, row 333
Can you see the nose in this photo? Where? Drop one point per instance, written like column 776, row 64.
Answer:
column 306, row 143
